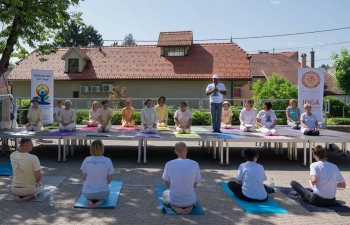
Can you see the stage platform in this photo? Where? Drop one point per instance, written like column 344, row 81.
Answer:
column 69, row 141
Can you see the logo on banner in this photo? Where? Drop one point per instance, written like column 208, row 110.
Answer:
column 42, row 91
column 311, row 79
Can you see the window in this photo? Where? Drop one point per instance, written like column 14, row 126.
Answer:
column 75, row 94
column 175, row 51
column 73, row 65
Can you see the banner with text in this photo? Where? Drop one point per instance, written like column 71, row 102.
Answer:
column 42, row 87
column 310, row 90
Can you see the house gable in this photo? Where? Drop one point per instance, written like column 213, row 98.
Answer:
column 75, row 60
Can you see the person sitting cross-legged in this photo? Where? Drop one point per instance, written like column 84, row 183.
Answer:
column 181, row 176
column 293, row 115
column 267, row 120
column 309, row 122
column 105, row 115
column 93, row 116
column 35, row 116
column 67, row 117
column 250, row 179
column 26, row 172
column 128, row 113
column 149, row 118
column 97, row 172
column 183, row 119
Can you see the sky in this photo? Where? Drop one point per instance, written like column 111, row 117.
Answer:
column 221, row 19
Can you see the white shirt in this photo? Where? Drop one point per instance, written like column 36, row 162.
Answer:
column 328, row 175
column 308, row 120
column 182, row 174
column 252, row 176
column 247, row 117
column 267, row 117
column 216, row 97
column 97, row 168
column 24, row 166
column 183, row 117
column 58, row 111
column 149, row 116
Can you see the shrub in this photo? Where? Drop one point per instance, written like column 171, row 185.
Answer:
column 24, row 104
column 201, row 117
column 338, row 121
column 336, row 107
column 82, row 115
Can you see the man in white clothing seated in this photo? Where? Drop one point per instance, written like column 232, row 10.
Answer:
column 149, row 118
column 67, row 118
column 35, row 116
column 105, row 115
column 181, row 176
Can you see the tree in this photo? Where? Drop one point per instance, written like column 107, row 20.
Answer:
column 34, row 22
column 325, row 66
column 78, row 34
column 115, row 43
column 129, row 40
column 276, row 87
column 118, row 95
column 342, row 66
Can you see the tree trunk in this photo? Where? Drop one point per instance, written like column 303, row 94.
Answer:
column 11, row 41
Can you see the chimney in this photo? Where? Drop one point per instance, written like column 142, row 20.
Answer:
column 312, row 58
column 303, row 60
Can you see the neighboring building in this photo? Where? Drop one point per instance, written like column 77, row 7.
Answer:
column 175, row 68
column 5, row 87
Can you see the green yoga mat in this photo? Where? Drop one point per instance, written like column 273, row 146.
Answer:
column 51, row 127
column 197, row 129
column 191, row 135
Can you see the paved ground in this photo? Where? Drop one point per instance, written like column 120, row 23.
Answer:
column 137, row 202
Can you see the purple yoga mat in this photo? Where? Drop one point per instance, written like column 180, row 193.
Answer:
column 231, row 130
column 289, row 128
column 60, row 133
column 139, row 134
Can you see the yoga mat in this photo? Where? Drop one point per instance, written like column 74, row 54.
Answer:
column 140, row 134
column 49, row 184
column 6, row 168
column 89, row 128
column 127, row 128
column 267, row 207
column 191, row 135
column 163, row 128
column 289, row 128
column 198, row 129
column 228, row 136
column 50, row 127
column 60, row 133
column 271, row 137
column 97, row 135
column 115, row 186
column 290, row 193
column 231, row 130
column 165, row 209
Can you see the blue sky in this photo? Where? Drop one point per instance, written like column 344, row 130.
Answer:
column 219, row 19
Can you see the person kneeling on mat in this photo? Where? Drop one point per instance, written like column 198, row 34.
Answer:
column 35, row 116
column 183, row 119
column 250, row 179
column 149, row 118
column 325, row 178
column 26, row 172
column 97, row 172
column 67, row 117
column 309, row 122
column 181, row 176
column 105, row 115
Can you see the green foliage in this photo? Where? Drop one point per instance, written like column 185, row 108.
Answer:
column 235, row 111
column 129, row 40
column 201, row 117
column 118, row 97
column 338, row 121
column 25, row 104
column 276, row 87
column 336, row 107
column 82, row 115
column 342, row 74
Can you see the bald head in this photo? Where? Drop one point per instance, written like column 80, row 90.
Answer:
column 180, row 147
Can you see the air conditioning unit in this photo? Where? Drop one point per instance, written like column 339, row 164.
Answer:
column 84, row 88
column 95, row 89
column 107, row 87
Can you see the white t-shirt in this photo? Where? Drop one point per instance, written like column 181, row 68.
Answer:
column 247, row 117
column 267, row 117
column 97, row 168
column 182, row 174
column 216, row 96
column 328, row 175
column 252, row 176
column 58, row 111
column 183, row 117
column 308, row 120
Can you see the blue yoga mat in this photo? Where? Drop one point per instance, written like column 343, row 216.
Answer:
column 6, row 169
column 267, row 207
column 115, row 186
column 228, row 136
column 165, row 209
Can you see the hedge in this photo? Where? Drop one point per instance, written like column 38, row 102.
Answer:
column 338, row 121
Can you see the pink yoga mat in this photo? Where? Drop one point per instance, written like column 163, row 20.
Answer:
column 139, row 134
column 127, row 128
column 89, row 128
column 271, row 137
column 231, row 130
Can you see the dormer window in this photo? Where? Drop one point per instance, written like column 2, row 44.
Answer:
column 175, row 44
column 175, row 51
column 73, row 65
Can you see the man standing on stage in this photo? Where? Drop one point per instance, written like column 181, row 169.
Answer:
column 216, row 91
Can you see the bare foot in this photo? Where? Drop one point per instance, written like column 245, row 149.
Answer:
column 99, row 203
column 178, row 210
column 90, row 203
column 301, row 198
column 17, row 198
column 188, row 209
column 27, row 198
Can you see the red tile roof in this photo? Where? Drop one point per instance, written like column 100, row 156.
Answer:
column 288, row 54
column 264, row 65
column 178, row 38
column 144, row 62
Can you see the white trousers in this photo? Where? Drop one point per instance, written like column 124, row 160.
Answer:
column 225, row 126
column 69, row 127
column 269, row 132
column 149, row 130
column 107, row 128
column 246, row 129
column 31, row 127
